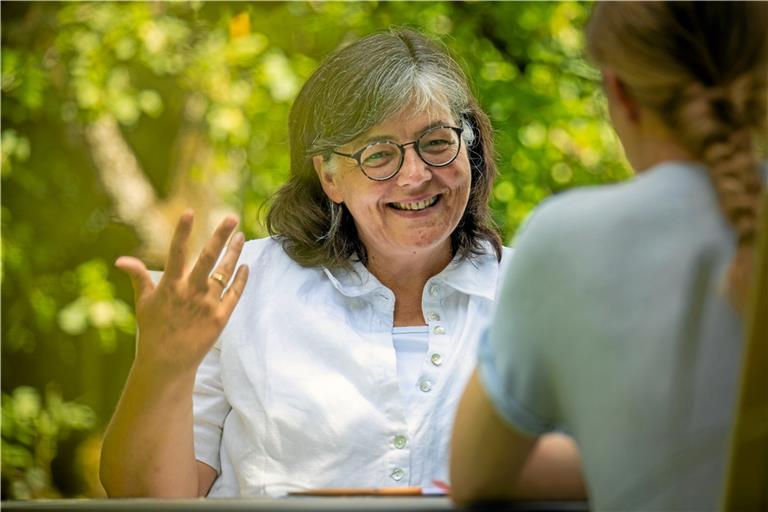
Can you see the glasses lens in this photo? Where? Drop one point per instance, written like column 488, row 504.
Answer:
column 380, row 160
column 439, row 146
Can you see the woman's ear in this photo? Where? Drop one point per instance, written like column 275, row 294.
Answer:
column 327, row 179
column 617, row 91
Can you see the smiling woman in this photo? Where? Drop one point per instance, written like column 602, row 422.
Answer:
column 386, row 88
column 340, row 361
column 413, row 213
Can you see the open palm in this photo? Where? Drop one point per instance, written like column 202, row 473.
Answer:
column 180, row 318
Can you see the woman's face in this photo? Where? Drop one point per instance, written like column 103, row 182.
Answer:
column 414, row 212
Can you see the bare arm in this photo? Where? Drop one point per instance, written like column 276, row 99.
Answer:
column 149, row 447
column 491, row 461
column 552, row 471
column 152, row 424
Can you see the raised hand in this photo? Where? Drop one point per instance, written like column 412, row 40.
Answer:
column 180, row 319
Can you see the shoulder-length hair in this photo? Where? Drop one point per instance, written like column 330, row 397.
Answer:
column 353, row 90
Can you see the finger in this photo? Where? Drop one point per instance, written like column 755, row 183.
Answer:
column 235, row 290
column 227, row 263
column 141, row 281
column 177, row 254
column 210, row 253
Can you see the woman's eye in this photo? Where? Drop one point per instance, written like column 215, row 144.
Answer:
column 378, row 157
column 436, row 145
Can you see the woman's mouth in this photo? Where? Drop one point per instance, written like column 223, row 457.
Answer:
column 415, row 206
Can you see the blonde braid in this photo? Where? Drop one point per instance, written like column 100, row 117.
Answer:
column 718, row 124
column 703, row 68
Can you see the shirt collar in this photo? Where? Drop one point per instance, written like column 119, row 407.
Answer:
column 473, row 276
column 355, row 282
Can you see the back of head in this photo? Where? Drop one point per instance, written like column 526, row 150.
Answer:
column 703, row 68
column 354, row 89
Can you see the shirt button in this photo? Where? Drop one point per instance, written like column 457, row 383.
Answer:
column 425, row 386
column 439, row 329
column 400, row 442
column 432, row 315
column 397, row 474
column 434, row 290
column 436, row 359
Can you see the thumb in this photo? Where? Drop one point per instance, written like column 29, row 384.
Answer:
column 138, row 273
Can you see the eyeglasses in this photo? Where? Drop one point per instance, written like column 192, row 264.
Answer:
column 437, row 147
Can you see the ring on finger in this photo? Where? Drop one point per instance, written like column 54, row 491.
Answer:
column 219, row 278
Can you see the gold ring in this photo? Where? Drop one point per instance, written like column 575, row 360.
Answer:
column 219, row 278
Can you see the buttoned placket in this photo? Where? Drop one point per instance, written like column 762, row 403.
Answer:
column 399, row 443
column 381, row 301
column 398, row 470
column 432, row 371
column 439, row 337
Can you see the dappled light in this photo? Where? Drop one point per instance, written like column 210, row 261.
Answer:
column 117, row 116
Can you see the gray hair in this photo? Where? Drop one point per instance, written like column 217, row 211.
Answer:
column 353, row 90
column 397, row 81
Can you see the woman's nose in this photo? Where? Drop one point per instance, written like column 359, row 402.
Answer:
column 414, row 170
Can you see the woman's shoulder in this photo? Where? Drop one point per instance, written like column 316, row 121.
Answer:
column 273, row 275
column 267, row 256
column 256, row 247
column 670, row 192
column 671, row 210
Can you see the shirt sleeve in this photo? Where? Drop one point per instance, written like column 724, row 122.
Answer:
column 210, row 408
column 512, row 361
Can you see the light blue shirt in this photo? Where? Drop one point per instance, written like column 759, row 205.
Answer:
column 612, row 324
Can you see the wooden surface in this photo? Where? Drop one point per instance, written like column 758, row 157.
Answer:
column 747, row 482
column 380, row 504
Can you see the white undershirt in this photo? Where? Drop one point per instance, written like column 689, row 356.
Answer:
column 411, row 344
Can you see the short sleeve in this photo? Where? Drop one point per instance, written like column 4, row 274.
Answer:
column 210, row 408
column 513, row 361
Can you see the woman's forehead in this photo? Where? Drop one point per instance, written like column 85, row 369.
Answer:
column 410, row 122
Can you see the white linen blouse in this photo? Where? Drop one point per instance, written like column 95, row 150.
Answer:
column 301, row 389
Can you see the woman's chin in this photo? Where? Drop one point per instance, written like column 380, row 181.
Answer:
column 426, row 244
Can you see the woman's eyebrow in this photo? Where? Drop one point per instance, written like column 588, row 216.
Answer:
column 386, row 137
column 377, row 138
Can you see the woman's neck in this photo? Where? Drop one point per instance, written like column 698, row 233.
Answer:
column 654, row 152
column 649, row 142
column 406, row 277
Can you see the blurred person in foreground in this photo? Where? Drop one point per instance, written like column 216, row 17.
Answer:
column 334, row 352
column 619, row 320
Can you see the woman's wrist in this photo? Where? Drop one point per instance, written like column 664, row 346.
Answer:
column 162, row 374
column 169, row 361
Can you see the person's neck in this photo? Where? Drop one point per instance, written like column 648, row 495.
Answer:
column 406, row 276
column 652, row 143
column 653, row 153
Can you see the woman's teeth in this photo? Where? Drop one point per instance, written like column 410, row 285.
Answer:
column 416, row 205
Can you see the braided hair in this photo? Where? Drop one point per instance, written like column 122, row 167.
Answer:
column 702, row 67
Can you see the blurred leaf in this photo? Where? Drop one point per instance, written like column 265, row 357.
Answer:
column 239, row 25
column 31, row 431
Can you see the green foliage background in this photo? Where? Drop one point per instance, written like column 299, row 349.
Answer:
column 215, row 81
